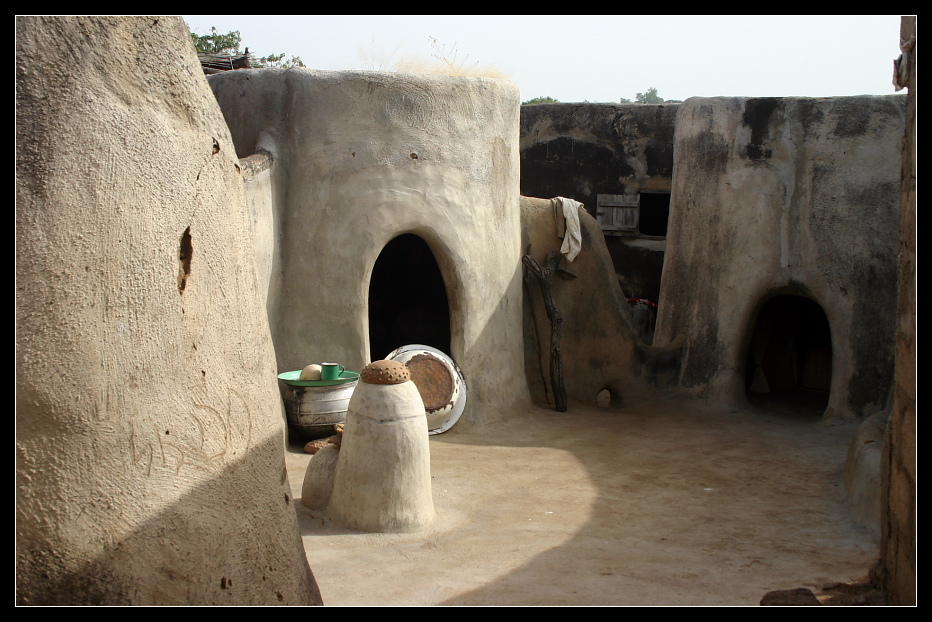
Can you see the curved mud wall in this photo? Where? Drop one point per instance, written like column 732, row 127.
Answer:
column 582, row 150
column 362, row 157
column 150, row 465
column 784, row 196
column 258, row 187
column 599, row 348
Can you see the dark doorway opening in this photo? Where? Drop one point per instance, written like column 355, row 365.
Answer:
column 789, row 361
column 407, row 299
column 654, row 213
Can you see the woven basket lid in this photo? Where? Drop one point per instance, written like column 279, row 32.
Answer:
column 385, row 372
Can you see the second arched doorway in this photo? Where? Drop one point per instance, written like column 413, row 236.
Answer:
column 789, row 359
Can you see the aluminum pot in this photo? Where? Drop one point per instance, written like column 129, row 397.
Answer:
column 313, row 411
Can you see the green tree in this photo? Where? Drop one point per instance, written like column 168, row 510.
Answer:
column 278, row 60
column 219, row 43
column 650, row 97
column 541, row 100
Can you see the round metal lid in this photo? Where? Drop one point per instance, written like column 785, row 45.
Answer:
column 439, row 381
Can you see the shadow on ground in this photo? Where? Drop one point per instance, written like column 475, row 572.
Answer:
column 662, row 503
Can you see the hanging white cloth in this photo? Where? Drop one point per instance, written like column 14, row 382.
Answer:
column 566, row 215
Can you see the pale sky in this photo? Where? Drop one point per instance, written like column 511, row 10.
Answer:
column 603, row 58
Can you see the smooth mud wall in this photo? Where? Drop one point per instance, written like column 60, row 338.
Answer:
column 363, row 157
column 777, row 196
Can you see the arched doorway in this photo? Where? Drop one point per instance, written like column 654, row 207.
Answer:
column 407, row 299
column 789, row 360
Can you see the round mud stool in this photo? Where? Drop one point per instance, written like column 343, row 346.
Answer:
column 382, row 481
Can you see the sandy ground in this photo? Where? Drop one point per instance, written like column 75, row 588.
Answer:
column 658, row 504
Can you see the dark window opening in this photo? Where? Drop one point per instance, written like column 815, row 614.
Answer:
column 407, row 299
column 790, row 356
column 634, row 215
column 655, row 211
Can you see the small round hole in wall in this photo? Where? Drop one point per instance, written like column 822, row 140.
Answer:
column 608, row 398
column 603, row 399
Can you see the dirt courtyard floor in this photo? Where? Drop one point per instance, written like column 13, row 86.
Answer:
column 666, row 503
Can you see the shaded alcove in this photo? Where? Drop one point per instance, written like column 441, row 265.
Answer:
column 789, row 360
column 407, row 299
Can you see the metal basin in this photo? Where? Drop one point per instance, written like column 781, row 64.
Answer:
column 313, row 411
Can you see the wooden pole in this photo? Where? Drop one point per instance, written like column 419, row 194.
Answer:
column 545, row 278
